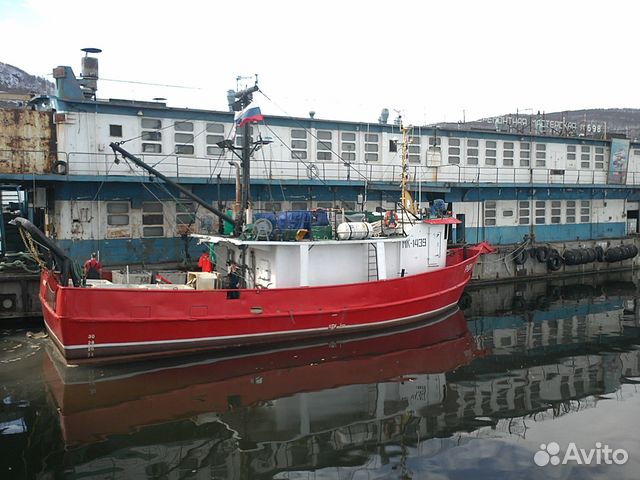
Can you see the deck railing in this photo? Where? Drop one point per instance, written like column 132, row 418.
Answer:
column 177, row 166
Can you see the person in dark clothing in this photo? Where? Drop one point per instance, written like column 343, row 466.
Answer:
column 92, row 267
column 234, row 281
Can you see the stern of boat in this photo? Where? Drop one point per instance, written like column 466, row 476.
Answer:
column 49, row 294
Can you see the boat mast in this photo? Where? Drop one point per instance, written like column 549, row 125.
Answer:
column 406, row 200
column 243, row 99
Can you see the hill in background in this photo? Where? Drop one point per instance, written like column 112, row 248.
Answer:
column 14, row 81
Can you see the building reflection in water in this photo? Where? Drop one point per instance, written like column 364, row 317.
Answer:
column 520, row 354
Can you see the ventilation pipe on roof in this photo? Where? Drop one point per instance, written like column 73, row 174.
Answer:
column 89, row 73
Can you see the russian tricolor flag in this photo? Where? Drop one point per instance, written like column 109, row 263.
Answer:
column 250, row 113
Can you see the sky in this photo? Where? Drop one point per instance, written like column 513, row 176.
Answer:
column 346, row 60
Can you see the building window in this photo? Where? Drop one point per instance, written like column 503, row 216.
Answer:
column 541, row 212
column 472, row 152
column 215, row 134
column 525, row 154
column 490, row 153
column 151, row 135
column 152, row 219
column 489, row 212
column 541, row 155
column 183, row 138
column 524, row 213
column 599, row 158
column 585, row 211
column 273, row 206
column 507, row 154
column 413, row 150
column 454, row 151
column 240, row 136
column 556, row 211
column 185, row 217
column 348, row 146
column 324, row 145
column 585, row 157
column 570, row 211
column 298, row 144
column 371, row 147
column 117, row 213
column 115, row 131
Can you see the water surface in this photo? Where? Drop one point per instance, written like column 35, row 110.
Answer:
column 472, row 394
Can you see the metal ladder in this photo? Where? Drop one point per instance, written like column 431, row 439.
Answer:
column 372, row 262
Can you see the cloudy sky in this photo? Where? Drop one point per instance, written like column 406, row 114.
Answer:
column 343, row 59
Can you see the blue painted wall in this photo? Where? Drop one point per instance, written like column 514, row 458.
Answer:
column 545, row 233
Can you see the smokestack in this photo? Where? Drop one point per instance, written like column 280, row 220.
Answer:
column 89, row 73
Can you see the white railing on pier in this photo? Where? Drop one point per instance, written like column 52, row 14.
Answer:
column 176, row 166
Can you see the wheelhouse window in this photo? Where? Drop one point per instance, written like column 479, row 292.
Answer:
column 151, row 135
column 152, row 219
column 571, row 152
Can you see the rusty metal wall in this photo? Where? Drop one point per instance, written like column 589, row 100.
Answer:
column 27, row 141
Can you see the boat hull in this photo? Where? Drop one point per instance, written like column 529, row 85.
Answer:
column 97, row 324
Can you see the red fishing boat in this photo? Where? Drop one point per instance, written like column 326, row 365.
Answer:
column 363, row 279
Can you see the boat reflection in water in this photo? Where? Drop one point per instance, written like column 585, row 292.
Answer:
column 380, row 403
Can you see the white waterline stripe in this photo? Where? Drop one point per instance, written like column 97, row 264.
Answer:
column 250, row 335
